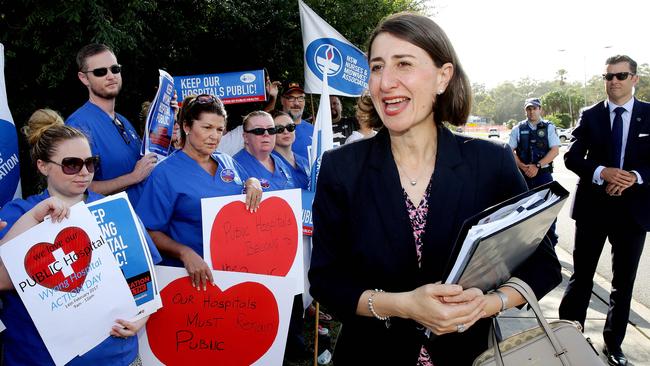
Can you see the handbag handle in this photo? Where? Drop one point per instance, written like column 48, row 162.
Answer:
column 528, row 294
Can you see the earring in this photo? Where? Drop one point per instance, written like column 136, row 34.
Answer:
column 440, row 91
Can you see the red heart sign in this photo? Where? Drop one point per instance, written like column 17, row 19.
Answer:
column 263, row 242
column 233, row 327
column 51, row 264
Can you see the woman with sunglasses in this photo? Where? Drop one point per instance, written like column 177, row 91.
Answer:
column 170, row 206
column 388, row 210
column 284, row 139
column 62, row 155
column 256, row 158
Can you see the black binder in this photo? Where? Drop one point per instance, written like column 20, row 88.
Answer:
column 491, row 259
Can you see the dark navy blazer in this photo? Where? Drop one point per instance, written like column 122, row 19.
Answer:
column 363, row 240
column 592, row 147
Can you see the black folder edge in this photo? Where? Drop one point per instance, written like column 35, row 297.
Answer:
column 554, row 187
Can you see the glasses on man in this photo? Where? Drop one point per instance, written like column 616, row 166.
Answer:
column 121, row 129
column 619, row 75
column 102, row 71
column 260, row 131
column 290, row 128
column 72, row 166
column 295, row 99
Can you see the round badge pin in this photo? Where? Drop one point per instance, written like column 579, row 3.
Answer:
column 541, row 133
column 265, row 183
column 227, row 175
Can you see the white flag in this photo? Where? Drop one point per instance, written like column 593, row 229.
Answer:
column 9, row 166
column 322, row 139
column 348, row 73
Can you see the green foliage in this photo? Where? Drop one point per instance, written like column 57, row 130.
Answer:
column 511, row 123
column 560, row 120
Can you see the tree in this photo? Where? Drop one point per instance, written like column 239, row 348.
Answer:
column 41, row 39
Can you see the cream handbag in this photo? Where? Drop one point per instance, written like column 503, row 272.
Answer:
column 558, row 343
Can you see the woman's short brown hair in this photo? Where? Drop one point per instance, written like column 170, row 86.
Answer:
column 454, row 104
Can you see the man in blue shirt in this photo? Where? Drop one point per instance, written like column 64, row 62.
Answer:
column 111, row 135
column 293, row 103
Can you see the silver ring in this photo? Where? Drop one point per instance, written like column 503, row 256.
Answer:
column 460, row 328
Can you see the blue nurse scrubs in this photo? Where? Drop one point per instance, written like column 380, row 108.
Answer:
column 118, row 150
column 171, row 198
column 304, row 135
column 22, row 343
column 281, row 178
column 300, row 172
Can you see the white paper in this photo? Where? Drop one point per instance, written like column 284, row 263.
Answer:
column 265, row 231
column 70, row 321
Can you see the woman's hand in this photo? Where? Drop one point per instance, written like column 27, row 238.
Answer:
column 124, row 329
column 253, row 194
column 199, row 271
column 445, row 308
column 52, row 206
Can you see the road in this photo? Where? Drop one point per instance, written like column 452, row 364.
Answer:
column 566, row 229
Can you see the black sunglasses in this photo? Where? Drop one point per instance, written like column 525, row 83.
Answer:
column 202, row 99
column 121, row 129
column 72, row 166
column 290, row 128
column 260, row 131
column 102, row 71
column 619, row 75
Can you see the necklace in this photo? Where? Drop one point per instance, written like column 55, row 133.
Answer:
column 412, row 181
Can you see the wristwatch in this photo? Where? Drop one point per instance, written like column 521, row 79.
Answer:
column 538, row 165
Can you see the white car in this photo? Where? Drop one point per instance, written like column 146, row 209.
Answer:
column 565, row 134
column 493, row 132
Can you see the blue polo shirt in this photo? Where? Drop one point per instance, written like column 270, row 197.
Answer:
column 22, row 343
column 300, row 172
column 304, row 134
column 118, row 151
column 171, row 197
column 281, row 178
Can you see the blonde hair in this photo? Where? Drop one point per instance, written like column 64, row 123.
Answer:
column 45, row 130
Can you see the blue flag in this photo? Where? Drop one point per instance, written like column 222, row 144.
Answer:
column 9, row 166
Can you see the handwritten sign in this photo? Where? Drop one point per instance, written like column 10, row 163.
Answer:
column 243, row 320
column 230, row 87
column 65, row 274
column 267, row 242
column 123, row 233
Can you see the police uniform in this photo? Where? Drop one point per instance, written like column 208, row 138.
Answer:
column 22, row 342
column 532, row 143
column 171, row 197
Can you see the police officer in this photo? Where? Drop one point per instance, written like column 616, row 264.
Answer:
column 535, row 144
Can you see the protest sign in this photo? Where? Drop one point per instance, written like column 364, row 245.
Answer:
column 160, row 119
column 70, row 283
column 307, row 218
column 268, row 241
column 230, row 87
column 124, row 235
column 242, row 320
column 9, row 164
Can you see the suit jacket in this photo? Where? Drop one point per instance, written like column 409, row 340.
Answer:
column 363, row 240
column 592, row 148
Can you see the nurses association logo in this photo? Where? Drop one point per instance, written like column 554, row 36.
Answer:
column 328, row 53
column 227, row 175
column 265, row 183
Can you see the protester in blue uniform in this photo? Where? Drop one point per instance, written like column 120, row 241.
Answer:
column 284, row 139
column 61, row 154
column 111, row 135
column 293, row 103
column 170, row 205
column 256, row 157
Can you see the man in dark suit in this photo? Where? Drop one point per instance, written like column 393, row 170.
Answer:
column 611, row 155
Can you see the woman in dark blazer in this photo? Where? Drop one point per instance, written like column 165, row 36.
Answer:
column 388, row 209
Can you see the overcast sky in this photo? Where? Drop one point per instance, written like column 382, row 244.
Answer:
column 503, row 40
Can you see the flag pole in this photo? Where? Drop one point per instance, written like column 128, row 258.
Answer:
column 317, row 317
